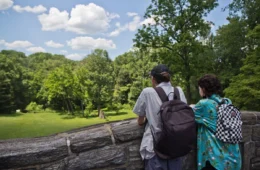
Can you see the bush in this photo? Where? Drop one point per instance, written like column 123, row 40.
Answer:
column 127, row 107
column 33, row 107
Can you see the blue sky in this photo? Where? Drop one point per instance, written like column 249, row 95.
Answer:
column 75, row 27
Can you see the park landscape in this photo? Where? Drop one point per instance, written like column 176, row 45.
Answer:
column 44, row 92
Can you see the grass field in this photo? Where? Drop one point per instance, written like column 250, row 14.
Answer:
column 42, row 124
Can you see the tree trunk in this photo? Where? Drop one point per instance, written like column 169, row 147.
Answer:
column 67, row 105
column 100, row 113
column 188, row 91
column 188, row 75
column 82, row 108
column 71, row 107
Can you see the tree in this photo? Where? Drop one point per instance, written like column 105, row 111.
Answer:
column 59, row 86
column 100, row 70
column 244, row 89
column 14, row 80
column 40, row 66
column 178, row 25
column 131, row 71
column 229, row 45
column 250, row 10
column 82, row 82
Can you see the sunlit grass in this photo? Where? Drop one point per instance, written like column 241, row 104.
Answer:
column 42, row 124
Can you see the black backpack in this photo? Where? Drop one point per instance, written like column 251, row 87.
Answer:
column 178, row 136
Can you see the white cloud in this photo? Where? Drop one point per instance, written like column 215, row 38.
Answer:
column 118, row 24
column 16, row 44
column 114, row 33
column 88, row 43
column 131, row 26
column 89, row 19
column 113, row 16
column 64, row 51
column 53, row 44
column 148, row 21
column 131, row 14
column 5, row 4
column 2, row 42
column 84, row 19
column 54, row 20
column 75, row 56
column 36, row 49
column 35, row 9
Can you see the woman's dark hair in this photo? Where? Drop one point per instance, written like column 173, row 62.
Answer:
column 161, row 73
column 211, row 85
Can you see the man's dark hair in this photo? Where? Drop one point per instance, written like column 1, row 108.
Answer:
column 211, row 85
column 161, row 73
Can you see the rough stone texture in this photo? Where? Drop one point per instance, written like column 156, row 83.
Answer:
column 256, row 133
column 99, row 158
column 249, row 118
column 127, row 131
column 249, row 153
column 59, row 165
column 255, row 160
column 112, row 146
column 26, row 152
column 247, row 133
column 89, row 139
column 255, row 166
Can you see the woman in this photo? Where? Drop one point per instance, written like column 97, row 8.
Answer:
column 212, row 153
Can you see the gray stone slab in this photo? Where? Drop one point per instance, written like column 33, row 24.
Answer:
column 246, row 133
column 127, row 131
column 99, row 158
column 256, row 133
column 249, row 118
column 26, row 152
column 258, row 152
column 89, row 139
column 249, row 153
column 59, row 165
column 255, row 160
column 255, row 166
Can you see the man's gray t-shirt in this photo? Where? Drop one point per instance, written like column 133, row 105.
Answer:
column 148, row 105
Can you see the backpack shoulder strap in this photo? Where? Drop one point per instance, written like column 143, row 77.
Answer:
column 176, row 93
column 161, row 94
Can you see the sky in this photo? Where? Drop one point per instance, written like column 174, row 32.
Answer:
column 75, row 27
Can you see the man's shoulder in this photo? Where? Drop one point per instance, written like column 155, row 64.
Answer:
column 148, row 90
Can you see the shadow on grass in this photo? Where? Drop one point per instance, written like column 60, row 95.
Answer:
column 115, row 114
column 11, row 114
column 65, row 115
column 69, row 117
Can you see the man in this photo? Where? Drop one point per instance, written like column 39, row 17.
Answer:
column 147, row 108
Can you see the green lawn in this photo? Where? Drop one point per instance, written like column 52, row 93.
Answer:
column 42, row 124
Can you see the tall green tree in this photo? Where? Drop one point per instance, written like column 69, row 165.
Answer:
column 59, row 86
column 100, row 70
column 14, row 79
column 244, row 89
column 178, row 25
column 230, row 47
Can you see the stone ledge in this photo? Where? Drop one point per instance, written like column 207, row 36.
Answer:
column 89, row 139
column 27, row 152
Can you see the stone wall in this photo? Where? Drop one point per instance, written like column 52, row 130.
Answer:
column 113, row 146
